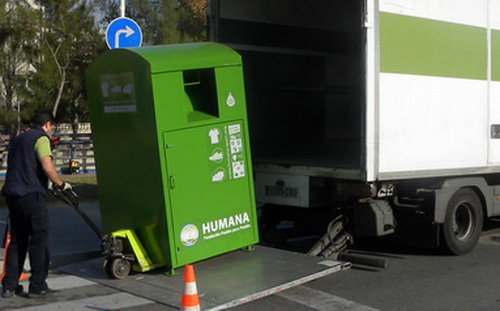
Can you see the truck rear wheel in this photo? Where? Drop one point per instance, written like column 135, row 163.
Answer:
column 463, row 222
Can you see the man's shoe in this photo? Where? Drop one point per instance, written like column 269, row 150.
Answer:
column 42, row 294
column 10, row 293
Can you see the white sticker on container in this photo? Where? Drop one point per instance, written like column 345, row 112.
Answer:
column 238, row 169
column 214, row 136
column 234, row 129
column 118, row 93
column 236, row 145
column 189, row 235
column 218, row 175
column 217, row 155
column 230, row 101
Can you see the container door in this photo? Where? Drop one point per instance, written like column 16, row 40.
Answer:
column 210, row 196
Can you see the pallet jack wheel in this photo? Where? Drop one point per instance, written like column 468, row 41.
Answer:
column 118, row 268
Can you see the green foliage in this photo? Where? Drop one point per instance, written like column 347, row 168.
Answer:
column 162, row 21
column 193, row 22
column 46, row 45
column 46, row 48
column 71, row 42
column 184, row 21
column 18, row 46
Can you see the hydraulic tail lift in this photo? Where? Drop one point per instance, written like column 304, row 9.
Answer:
column 223, row 281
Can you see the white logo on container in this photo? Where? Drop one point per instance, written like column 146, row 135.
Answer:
column 230, row 101
column 189, row 235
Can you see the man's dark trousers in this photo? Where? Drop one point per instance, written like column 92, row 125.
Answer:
column 29, row 221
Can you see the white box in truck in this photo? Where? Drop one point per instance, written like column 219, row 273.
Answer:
column 438, row 95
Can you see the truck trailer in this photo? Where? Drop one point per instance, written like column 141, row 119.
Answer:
column 387, row 111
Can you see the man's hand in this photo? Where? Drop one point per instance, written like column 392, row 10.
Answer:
column 62, row 187
column 65, row 193
column 50, row 186
column 66, row 186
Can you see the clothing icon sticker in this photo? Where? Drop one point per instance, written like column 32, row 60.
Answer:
column 234, row 129
column 236, row 144
column 217, row 155
column 218, row 175
column 238, row 169
column 230, row 101
column 214, row 136
column 118, row 94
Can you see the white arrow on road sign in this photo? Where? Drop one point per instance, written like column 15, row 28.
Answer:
column 123, row 32
column 127, row 31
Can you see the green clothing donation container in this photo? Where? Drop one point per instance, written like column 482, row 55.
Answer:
column 172, row 151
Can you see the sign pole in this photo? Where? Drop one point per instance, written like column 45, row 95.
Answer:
column 123, row 32
column 122, row 8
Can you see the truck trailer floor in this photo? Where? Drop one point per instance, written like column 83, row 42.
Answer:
column 224, row 281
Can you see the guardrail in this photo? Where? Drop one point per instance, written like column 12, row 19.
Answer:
column 81, row 151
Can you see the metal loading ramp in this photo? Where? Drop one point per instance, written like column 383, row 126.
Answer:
column 225, row 281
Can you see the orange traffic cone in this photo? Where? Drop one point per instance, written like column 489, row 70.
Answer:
column 190, row 299
column 23, row 276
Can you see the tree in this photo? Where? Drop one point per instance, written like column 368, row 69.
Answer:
column 45, row 47
column 70, row 40
column 162, row 21
column 18, row 49
column 184, row 21
column 193, row 20
column 147, row 13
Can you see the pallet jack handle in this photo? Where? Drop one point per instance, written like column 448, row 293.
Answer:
column 110, row 246
column 117, row 264
column 69, row 197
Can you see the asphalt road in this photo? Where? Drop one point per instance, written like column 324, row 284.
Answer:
column 415, row 279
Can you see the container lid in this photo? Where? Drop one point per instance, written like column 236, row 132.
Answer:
column 179, row 57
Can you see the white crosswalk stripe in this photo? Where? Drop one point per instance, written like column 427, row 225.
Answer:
column 68, row 281
column 321, row 301
column 75, row 293
column 108, row 302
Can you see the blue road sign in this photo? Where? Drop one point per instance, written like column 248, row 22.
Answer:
column 123, row 32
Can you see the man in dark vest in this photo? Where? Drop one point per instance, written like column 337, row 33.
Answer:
column 29, row 170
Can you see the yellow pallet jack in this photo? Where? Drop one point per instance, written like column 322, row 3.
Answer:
column 122, row 248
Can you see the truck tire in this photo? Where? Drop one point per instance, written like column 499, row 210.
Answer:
column 463, row 222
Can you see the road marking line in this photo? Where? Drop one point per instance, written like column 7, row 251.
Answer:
column 321, row 301
column 107, row 302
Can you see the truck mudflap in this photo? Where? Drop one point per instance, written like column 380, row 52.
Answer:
column 225, row 281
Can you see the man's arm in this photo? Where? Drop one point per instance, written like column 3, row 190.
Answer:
column 50, row 170
column 44, row 155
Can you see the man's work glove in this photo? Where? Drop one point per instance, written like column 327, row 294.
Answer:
column 63, row 187
column 50, row 185
column 65, row 193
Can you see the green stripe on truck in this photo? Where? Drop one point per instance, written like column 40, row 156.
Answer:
column 495, row 55
column 412, row 45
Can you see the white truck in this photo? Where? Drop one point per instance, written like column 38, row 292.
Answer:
column 388, row 111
